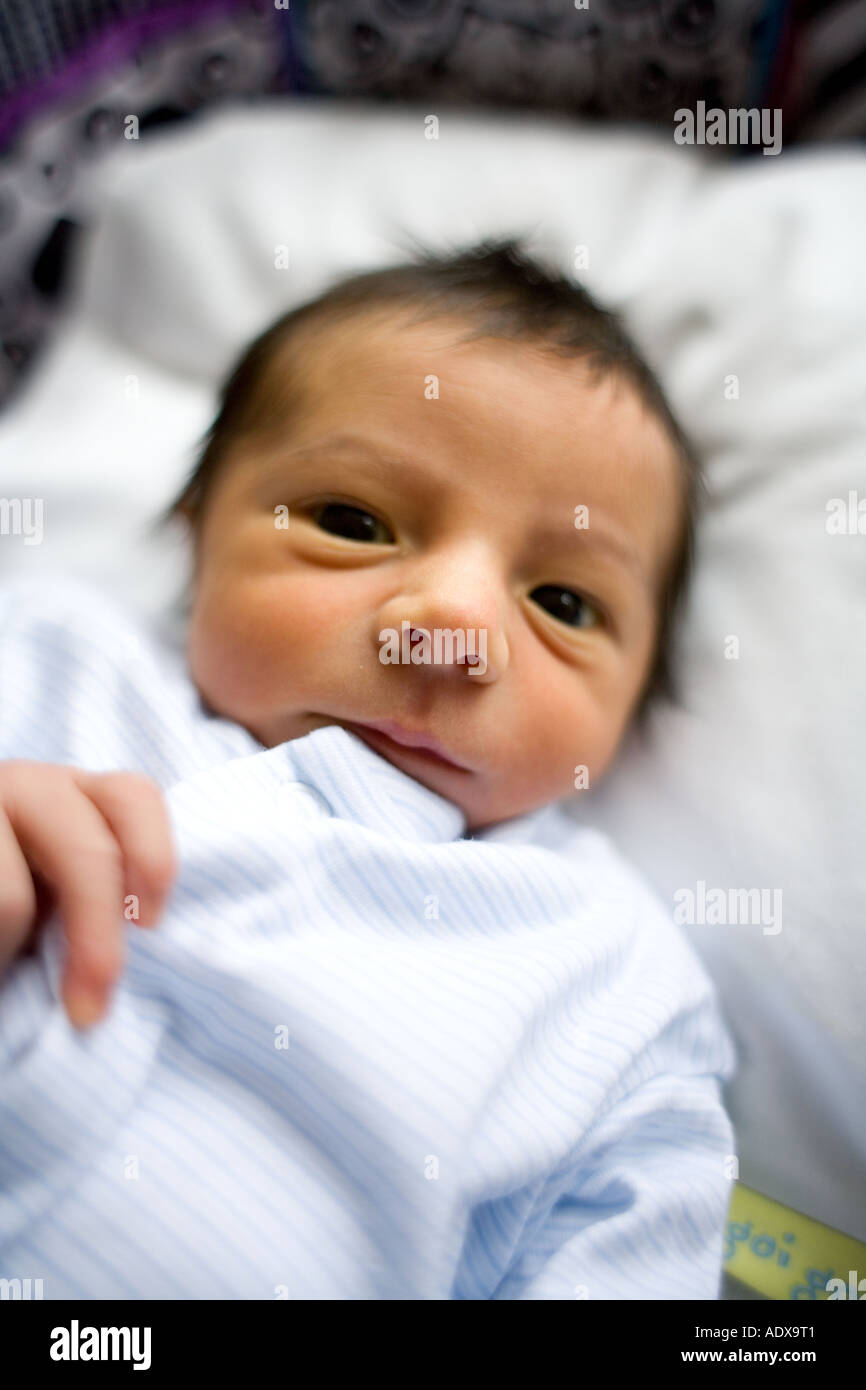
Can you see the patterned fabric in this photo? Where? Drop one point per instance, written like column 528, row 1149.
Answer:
column 363, row 1055
column 825, row 91
column 71, row 71
column 625, row 59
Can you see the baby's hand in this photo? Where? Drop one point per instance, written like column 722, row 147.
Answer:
column 96, row 842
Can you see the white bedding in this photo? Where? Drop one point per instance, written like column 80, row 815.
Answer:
column 753, row 271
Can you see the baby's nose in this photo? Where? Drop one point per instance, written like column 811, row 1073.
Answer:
column 449, row 629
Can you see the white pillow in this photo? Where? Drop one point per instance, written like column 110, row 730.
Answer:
column 746, row 277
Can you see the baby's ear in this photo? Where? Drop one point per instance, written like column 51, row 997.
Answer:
column 173, row 511
column 183, row 510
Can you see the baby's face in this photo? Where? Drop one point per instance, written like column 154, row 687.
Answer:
column 408, row 513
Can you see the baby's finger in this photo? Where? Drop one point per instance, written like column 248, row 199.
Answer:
column 135, row 809
column 17, row 895
column 64, row 837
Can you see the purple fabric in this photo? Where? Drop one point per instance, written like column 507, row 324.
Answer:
column 103, row 51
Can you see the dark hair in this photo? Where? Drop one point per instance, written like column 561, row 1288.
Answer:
column 503, row 292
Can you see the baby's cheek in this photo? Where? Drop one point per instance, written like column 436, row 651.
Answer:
column 579, row 740
column 226, row 654
column 254, row 645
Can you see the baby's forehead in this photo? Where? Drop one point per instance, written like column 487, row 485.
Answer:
column 543, row 432
column 394, row 347
column 540, row 393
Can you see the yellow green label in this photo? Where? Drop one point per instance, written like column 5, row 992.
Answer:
column 785, row 1255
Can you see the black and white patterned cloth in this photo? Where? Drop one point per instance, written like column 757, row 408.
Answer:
column 73, row 72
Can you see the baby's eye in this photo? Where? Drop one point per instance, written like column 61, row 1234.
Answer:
column 352, row 523
column 566, row 606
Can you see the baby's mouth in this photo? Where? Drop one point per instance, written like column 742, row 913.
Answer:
column 393, row 738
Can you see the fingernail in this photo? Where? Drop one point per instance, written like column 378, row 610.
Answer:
column 83, row 1009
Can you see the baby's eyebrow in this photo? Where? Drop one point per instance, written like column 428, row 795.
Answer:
column 351, row 444
column 554, row 538
column 565, row 539
column 275, row 462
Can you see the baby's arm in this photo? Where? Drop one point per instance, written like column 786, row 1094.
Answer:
column 95, row 842
column 641, row 1214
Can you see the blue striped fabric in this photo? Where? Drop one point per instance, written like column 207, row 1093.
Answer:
column 364, row 1056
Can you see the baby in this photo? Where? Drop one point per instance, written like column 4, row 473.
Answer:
column 405, row 1030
